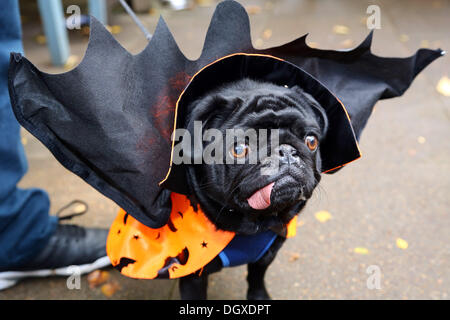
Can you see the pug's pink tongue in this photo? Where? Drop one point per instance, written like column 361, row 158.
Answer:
column 261, row 199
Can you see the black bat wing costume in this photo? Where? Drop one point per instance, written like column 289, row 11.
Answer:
column 110, row 119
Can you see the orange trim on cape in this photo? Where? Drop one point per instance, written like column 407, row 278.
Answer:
column 187, row 243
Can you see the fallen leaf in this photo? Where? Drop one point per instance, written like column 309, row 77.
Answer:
column 361, row 250
column 346, row 44
column 294, row 256
column 401, row 243
column 108, row 27
column 340, row 29
column 436, row 4
column 323, row 216
column 268, row 5
column 443, row 86
column 363, row 21
column 153, row 11
column 421, row 140
column 115, row 29
column 97, row 278
column 108, row 289
column 85, row 30
column 267, row 34
column 40, row 39
column 259, row 43
column 425, row 44
column 404, row 38
column 204, row 3
column 253, row 9
column 71, row 62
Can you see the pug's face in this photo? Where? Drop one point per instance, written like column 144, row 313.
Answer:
column 258, row 185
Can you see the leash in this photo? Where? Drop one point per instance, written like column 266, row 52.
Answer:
column 136, row 20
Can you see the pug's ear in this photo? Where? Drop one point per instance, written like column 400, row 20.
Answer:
column 203, row 109
column 190, row 133
column 319, row 111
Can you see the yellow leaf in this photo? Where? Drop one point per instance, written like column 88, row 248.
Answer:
column 421, row 140
column 253, row 9
column 204, row 3
column 108, row 289
column 97, row 277
column 436, row 4
column 361, row 250
column 115, row 29
column 404, row 38
column 153, row 11
column 341, row 29
column 258, row 43
column 323, row 216
column 443, row 86
column 268, row 5
column 346, row 44
column 40, row 39
column 85, row 30
column 294, row 256
column 71, row 62
column 402, row 244
column 267, row 34
column 424, row 44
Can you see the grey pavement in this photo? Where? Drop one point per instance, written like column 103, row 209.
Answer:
column 399, row 189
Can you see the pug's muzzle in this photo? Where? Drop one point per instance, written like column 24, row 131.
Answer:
column 288, row 184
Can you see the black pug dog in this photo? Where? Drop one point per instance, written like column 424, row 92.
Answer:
column 237, row 197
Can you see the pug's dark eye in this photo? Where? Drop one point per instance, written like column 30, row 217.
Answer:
column 311, row 142
column 240, row 150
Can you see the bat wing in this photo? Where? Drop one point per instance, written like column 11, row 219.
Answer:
column 109, row 120
column 356, row 77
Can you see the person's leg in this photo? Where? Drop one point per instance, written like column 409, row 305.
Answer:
column 33, row 243
column 25, row 223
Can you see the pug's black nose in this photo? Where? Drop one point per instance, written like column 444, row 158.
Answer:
column 288, row 154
